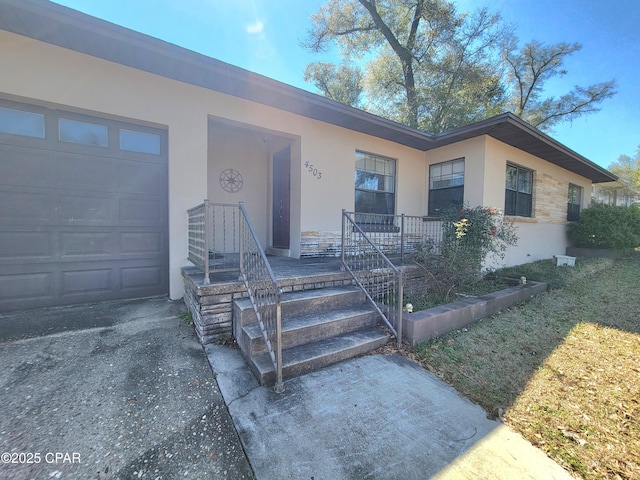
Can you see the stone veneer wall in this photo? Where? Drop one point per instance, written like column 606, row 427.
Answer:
column 550, row 199
column 320, row 244
column 329, row 243
column 211, row 306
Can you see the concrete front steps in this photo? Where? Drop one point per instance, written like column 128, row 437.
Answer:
column 319, row 327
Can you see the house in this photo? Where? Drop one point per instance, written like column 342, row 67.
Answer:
column 109, row 136
column 614, row 194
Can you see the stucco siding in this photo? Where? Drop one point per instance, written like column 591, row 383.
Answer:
column 327, row 172
column 322, row 155
column 61, row 78
column 537, row 241
column 474, row 154
column 544, row 234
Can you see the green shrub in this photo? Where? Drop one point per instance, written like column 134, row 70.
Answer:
column 470, row 236
column 602, row 226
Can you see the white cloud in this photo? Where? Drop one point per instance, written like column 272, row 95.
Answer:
column 255, row 27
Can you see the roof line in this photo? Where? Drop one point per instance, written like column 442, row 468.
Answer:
column 510, row 118
column 77, row 31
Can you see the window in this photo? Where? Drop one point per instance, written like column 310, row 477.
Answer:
column 574, row 202
column 446, row 185
column 85, row 133
column 19, row 122
column 375, row 188
column 518, row 199
column 139, row 142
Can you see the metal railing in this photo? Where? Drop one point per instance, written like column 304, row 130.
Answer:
column 214, row 241
column 374, row 273
column 398, row 236
column 263, row 290
column 222, row 238
column 199, row 238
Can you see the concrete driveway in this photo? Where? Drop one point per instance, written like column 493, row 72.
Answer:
column 115, row 390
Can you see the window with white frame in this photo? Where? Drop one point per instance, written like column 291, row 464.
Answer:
column 518, row 198
column 375, row 184
column 375, row 181
column 446, row 186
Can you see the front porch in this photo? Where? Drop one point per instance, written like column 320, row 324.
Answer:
column 325, row 316
column 354, row 303
column 211, row 305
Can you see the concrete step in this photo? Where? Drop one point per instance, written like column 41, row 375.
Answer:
column 312, row 356
column 311, row 327
column 301, row 303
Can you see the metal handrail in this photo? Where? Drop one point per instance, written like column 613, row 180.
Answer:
column 213, row 237
column 398, row 236
column 198, row 231
column 374, row 273
column 264, row 293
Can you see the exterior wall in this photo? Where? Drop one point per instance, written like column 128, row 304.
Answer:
column 475, row 177
column 248, row 152
column 60, row 78
column 544, row 234
column 324, row 196
column 540, row 236
column 322, row 155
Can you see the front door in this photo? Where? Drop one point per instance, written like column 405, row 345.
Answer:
column 281, row 198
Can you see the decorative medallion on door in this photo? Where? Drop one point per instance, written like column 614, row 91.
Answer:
column 231, row 180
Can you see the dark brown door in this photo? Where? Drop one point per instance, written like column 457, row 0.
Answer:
column 281, row 198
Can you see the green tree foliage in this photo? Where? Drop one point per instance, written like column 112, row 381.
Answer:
column 428, row 66
column 342, row 83
column 628, row 171
column 527, row 71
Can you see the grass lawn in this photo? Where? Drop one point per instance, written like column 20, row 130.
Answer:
column 562, row 370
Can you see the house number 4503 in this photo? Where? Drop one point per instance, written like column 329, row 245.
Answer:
column 312, row 170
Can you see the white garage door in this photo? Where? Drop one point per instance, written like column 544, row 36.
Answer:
column 83, row 208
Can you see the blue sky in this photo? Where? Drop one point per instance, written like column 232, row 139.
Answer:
column 264, row 36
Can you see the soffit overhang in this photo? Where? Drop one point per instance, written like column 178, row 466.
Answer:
column 67, row 28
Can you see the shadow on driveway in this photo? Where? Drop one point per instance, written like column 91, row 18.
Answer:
column 111, row 390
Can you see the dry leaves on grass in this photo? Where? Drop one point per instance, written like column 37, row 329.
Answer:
column 569, row 384
column 582, row 406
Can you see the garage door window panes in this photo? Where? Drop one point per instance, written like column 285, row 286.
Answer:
column 139, row 142
column 83, row 133
column 19, row 122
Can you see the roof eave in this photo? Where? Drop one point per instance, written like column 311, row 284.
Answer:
column 73, row 30
column 514, row 131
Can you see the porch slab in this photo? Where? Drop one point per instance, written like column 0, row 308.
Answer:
column 288, row 272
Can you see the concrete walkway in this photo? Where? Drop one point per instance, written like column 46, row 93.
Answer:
column 125, row 391
column 377, row 417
